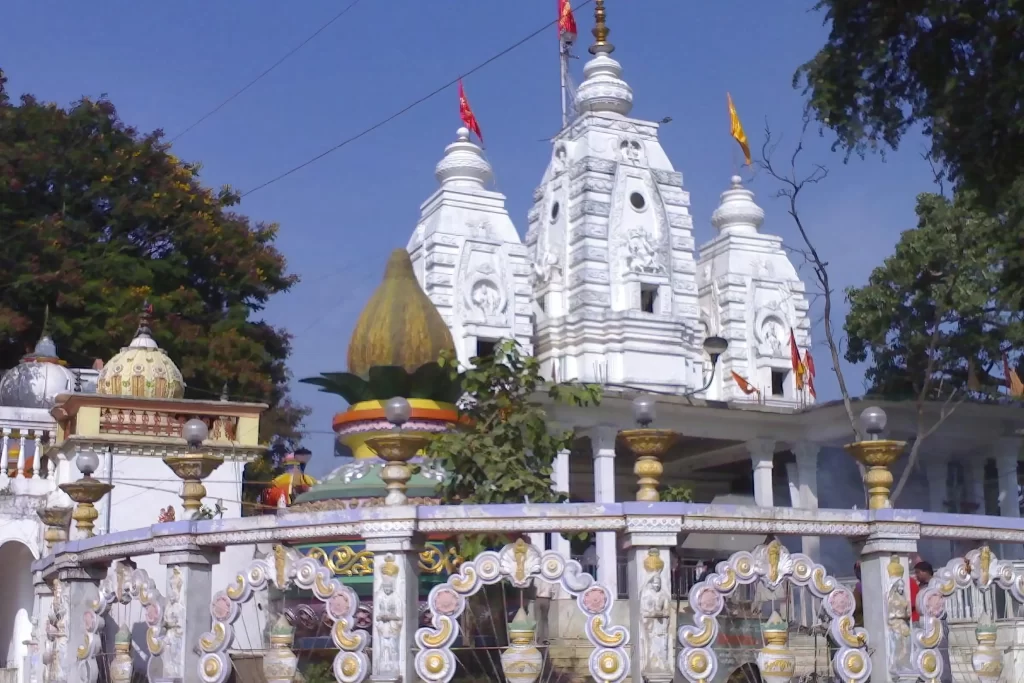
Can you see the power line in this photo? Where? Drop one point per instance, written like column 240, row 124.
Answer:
column 273, row 66
column 410, row 106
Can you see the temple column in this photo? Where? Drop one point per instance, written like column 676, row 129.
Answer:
column 396, row 549
column 884, row 567
column 762, row 457
column 82, row 586
column 652, row 630
column 1007, row 456
column 188, row 591
column 975, row 471
column 560, row 482
column 806, row 454
column 602, row 440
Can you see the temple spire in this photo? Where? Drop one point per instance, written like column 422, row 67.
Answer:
column 600, row 31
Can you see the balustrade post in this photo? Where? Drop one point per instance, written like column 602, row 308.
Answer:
column 885, row 596
column 5, row 457
column 37, row 452
column 20, row 474
column 188, row 592
column 649, row 542
column 82, row 590
column 396, row 550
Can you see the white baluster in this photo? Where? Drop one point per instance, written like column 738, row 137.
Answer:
column 21, row 456
column 37, row 458
column 4, row 457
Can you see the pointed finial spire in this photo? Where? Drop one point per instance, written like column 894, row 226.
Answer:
column 600, row 31
column 144, row 320
column 224, row 392
column 46, row 321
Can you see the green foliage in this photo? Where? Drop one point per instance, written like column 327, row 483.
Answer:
column 935, row 306
column 676, row 494
column 429, row 381
column 950, row 66
column 506, row 449
column 97, row 218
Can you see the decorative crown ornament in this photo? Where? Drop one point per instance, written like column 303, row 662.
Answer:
column 389, row 568
column 895, row 568
column 653, row 562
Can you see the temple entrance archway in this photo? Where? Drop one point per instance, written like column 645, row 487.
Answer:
column 16, row 598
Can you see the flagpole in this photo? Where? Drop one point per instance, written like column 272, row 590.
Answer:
column 563, row 65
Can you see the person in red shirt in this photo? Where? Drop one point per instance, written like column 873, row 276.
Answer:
column 915, row 588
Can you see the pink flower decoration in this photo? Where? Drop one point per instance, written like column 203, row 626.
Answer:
column 934, row 605
column 338, row 605
column 708, row 601
column 841, row 601
column 446, row 602
column 221, row 608
column 595, row 600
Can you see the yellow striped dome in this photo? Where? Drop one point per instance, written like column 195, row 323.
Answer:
column 142, row 369
column 400, row 325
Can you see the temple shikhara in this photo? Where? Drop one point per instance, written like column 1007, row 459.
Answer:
column 789, row 560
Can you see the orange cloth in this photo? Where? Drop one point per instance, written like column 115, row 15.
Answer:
column 915, row 587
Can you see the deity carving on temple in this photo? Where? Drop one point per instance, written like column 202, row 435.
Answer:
column 641, row 256
column 655, row 604
column 898, row 616
column 387, row 618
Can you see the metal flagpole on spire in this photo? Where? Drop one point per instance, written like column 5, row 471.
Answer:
column 566, row 37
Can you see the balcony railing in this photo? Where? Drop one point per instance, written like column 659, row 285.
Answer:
column 21, row 466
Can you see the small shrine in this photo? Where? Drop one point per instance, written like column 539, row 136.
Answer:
column 394, row 352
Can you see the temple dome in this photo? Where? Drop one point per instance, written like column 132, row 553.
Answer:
column 463, row 164
column 38, row 379
column 603, row 89
column 141, row 370
column 400, row 325
column 737, row 212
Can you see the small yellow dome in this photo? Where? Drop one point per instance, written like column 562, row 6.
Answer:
column 142, row 369
column 400, row 324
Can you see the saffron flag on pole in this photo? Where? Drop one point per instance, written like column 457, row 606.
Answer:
column 798, row 365
column 745, row 386
column 809, row 367
column 467, row 115
column 566, row 22
column 1013, row 382
column 736, row 130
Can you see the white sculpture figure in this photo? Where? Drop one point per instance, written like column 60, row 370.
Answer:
column 485, row 297
column 387, row 616
column 641, row 256
column 899, row 626
column 654, row 611
column 771, row 337
column 559, row 165
column 546, row 268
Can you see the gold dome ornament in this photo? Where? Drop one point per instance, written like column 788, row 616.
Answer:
column 649, row 446
column 142, row 369
column 878, row 455
column 400, row 326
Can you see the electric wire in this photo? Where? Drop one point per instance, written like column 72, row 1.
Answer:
column 411, row 105
column 273, row 66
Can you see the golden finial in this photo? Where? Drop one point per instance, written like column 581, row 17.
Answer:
column 389, row 568
column 774, row 555
column 895, row 568
column 280, row 565
column 653, row 562
column 600, row 31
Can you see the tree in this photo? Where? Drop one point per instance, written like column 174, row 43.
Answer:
column 932, row 318
column 506, row 449
column 98, row 218
column 950, row 66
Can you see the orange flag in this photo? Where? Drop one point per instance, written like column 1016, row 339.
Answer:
column 467, row 115
column 809, row 366
column 798, row 366
column 1013, row 383
column 745, row 386
column 566, row 22
column 736, row 130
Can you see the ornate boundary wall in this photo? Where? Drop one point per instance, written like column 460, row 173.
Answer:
column 771, row 565
column 519, row 563
column 122, row 585
column 285, row 568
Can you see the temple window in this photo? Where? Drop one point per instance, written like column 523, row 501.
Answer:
column 648, row 298
column 779, row 382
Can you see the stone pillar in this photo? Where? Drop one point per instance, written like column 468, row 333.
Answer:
column 885, row 541
column 43, row 601
column 806, row 454
column 651, row 625
column 762, row 457
column 602, row 441
column 936, row 470
column 188, row 591
column 560, row 479
column 396, row 552
column 82, row 585
column 1007, row 456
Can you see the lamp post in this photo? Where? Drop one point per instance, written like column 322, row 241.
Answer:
column 194, row 466
column 649, row 446
column 86, row 491
column 877, row 455
column 396, row 450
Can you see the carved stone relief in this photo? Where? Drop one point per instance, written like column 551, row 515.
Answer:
column 641, row 256
column 631, row 151
column 483, row 274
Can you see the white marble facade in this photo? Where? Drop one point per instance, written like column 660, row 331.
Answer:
column 469, row 258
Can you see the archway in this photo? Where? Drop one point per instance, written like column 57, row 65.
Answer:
column 16, row 601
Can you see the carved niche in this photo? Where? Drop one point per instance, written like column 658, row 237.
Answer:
column 484, row 279
column 632, row 152
column 775, row 316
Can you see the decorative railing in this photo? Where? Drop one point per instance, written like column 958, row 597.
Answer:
column 21, row 455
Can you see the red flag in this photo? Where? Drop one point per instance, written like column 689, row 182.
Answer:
column 566, row 22
column 798, row 366
column 466, row 113
column 809, row 367
column 743, row 384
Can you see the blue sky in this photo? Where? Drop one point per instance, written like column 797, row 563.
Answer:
column 166, row 64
